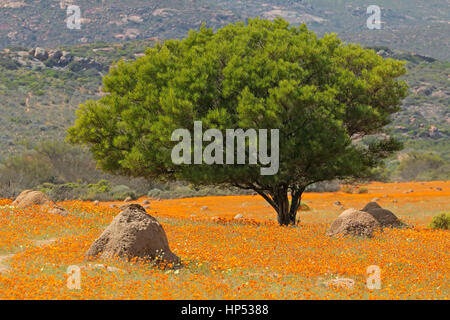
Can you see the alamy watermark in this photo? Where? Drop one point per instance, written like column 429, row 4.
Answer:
column 213, row 153
column 73, row 17
column 74, row 279
column 374, row 277
column 374, row 21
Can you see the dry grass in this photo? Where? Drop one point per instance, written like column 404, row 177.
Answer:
column 250, row 258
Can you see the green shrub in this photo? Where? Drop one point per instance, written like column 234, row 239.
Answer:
column 100, row 187
column 441, row 221
column 188, row 191
column 154, row 193
column 61, row 192
column 101, row 191
column 348, row 189
column 121, row 192
column 324, row 186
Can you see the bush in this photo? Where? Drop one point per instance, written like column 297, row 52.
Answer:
column 189, row 191
column 423, row 167
column 348, row 189
column 101, row 191
column 61, row 164
column 363, row 190
column 441, row 221
column 121, row 192
column 61, row 192
column 154, row 193
column 324, row 186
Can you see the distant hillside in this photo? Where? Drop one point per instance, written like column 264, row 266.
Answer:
column 411, row 25
column 41, row 89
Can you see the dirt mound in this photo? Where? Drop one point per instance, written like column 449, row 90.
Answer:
column 133, row 234
column 29, row 198
column 384, row 217
column 354, row 223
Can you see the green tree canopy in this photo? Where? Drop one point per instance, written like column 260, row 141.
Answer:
column 319, row 92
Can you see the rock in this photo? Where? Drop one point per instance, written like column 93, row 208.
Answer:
column 238, row 216
column 439, row 189
column 146, row 207
column 29, row 198
column 58, row 210
column 55, row 55
column 338, row 203
column 434, row 133
column 354, row 223
column 40, row 54
column 79, row 64
column 107, row 268
column 204, row 208
column 133, row 234
column 128, row 199
column 375, row 199
column 383, row 216
column 146, row 202
column 112, row 206
column 65, row 59
column 96, row 203
column 423, row 90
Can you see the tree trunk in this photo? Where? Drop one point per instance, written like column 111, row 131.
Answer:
column 287, row 214
column 279, row 200
column 282, row 201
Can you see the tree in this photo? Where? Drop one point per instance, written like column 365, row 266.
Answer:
column 320, row 93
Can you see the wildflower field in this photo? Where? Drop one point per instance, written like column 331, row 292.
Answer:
column 227, row 258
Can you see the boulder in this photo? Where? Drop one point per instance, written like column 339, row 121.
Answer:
column 55, row 55
column 40, row 54
column 58, row 210
column 65, row 58
column 383, row 216
column 30, row 198
column 354, row 223
column 133, row 234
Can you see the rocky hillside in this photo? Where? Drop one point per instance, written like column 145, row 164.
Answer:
column 41, row 88
column 411, row 25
